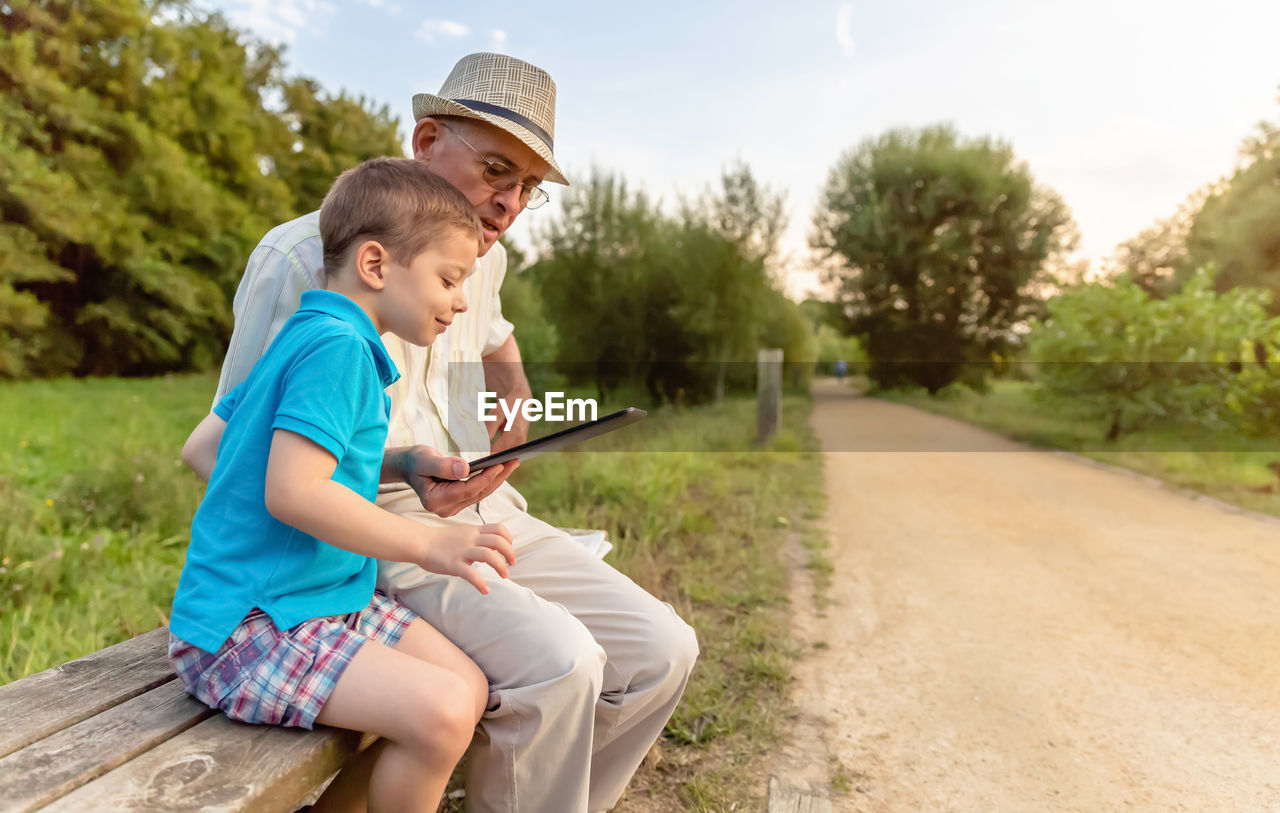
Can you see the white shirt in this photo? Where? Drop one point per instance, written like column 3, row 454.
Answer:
column 434, row 402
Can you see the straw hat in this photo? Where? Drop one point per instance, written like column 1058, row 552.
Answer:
column 506, row 92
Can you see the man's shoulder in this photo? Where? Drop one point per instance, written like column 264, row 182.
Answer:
column 288, row 237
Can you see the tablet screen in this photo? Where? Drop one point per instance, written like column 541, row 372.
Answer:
column 561, row 439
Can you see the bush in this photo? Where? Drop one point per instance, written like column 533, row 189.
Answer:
column 1131, row 359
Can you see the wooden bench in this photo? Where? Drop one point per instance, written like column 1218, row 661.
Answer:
column 115, row 731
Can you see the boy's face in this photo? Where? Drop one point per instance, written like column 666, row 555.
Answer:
column 424, row 296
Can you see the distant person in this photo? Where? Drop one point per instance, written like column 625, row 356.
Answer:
column 841, row 369
column 584, row 666
column 275, row 619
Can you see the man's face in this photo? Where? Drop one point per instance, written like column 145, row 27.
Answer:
column 452, row 159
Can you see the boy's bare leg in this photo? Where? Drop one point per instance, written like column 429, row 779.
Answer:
column 349, row 790
column 420, row 696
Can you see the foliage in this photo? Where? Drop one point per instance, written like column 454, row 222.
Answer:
column 829, row 343
column 139, row 163
column 1156, row 259
column 728, row 302
column 535, row 332
column 1236, row 228
column 1119, row 354
column 678, row 304
column 329, row 134
column 1229, row 224
column 937, row 244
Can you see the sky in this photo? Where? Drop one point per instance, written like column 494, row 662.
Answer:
column 1123, row 107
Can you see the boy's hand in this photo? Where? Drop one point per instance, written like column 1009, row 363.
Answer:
column 452, row 551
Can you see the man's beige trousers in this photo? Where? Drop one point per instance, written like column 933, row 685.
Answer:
column 584, row 667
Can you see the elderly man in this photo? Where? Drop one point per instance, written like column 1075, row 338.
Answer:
column 584, row 666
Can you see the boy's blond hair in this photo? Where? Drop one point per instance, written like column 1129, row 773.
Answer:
column 396, row 201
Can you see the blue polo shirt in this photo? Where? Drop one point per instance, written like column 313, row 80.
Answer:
column 323, row 377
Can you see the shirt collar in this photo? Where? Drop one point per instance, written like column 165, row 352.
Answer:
column 343, row 309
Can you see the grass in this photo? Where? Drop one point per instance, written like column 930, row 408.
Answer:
column 1229, row 466
column 96, row 508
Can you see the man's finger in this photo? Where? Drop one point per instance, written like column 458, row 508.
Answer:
column 500, row 475
column 428, row 462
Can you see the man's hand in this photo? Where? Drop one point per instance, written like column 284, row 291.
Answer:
column 504, row 374
column 452, row 551
column 420, row 466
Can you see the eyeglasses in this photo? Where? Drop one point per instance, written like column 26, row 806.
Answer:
column 501, row 177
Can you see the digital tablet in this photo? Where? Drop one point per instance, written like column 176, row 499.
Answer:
column 559, row 440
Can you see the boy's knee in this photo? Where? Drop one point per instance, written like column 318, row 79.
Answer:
column 440, row 723
column 479, row 689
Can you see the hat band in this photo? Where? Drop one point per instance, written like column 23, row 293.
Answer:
column 509, row 115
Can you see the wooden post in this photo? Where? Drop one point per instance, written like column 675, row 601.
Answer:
column 769, row 392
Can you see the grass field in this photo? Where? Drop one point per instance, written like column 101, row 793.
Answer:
column 96, row 505
column 1228, row 466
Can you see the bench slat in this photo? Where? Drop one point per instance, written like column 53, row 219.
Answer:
column 220, row 765
column 56, row 765
column 39, row 705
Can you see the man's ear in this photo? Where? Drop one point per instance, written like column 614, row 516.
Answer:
column 372, row 260
column 425, row 134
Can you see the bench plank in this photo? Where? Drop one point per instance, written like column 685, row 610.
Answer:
column 56, row 765
column 37, row 706
column 220, row 765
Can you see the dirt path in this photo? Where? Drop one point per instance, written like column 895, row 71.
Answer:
column 1015, row 630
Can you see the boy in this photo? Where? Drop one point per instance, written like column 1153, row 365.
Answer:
column 275, row 619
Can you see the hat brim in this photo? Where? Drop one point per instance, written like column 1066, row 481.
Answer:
column 426, row 104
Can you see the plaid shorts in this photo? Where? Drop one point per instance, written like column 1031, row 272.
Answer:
column 264, row 675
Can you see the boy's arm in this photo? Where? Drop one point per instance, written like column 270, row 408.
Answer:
column 300, row 493
column 200, row 451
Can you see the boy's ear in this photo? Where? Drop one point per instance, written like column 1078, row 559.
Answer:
column 371, row 264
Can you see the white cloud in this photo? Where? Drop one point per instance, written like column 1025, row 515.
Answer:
column 844, row 29
column 279, row 21
column 392, row 8
column 430, row 29
column 498, row 39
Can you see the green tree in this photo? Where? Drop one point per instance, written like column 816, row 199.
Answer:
column 1118, row 354
column 522, row 305
column 936, row 244
column 1156, row 259
column 1236, row 228
column 595, row 276
column 728, row 241
column 668, row 303
column 328, row 134
column 139, row 164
